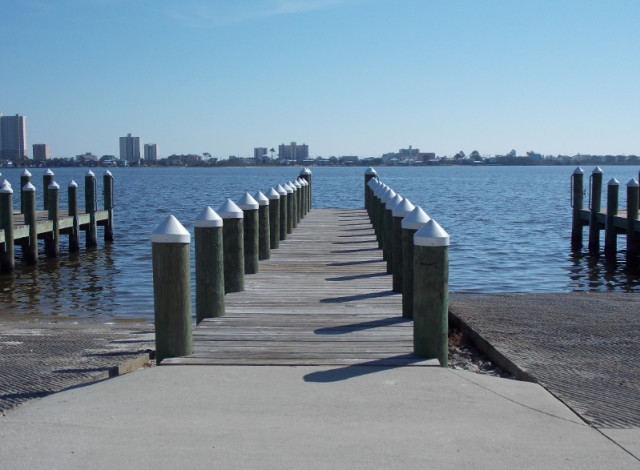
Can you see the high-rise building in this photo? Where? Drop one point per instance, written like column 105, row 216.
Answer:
column 13, row 137
column 41, row 152
column 130, row 149
column 259, row 153
column 293, row 151
column 151, row 152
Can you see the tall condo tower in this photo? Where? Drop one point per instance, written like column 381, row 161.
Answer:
column 130, row 149
column 13, row 137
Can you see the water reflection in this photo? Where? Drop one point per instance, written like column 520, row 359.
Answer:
column 597, row 272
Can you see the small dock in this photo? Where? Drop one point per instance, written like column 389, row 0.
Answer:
column 324, row 298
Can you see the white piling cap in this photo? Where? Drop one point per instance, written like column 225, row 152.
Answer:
column 281, row 190
column 29, row 187
column 287, row 188
column 273, row 194
column 6, row 181
column 305, row 171
column 208, row 218
column 108, row 173
column 613, row 182
column 578, row 171
column 170, row 231
column 633, row 183
column 90, row 173
column 372, row 182
column 48, row 172
column 229, row 210
column 53, row 185
column 26, row 173
column 380, row 189
column 303, row 181
column 431, row 234
column 248, row 203
column 403, row 209
column 393, row 202
column 297, row 184
column 415, row 219
column 597, row 170
column 261, row 199
column 6, row 188
column 73, row 184
column 387, row 195
column 371, row 171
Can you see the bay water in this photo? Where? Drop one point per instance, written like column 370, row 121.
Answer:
column 510, row 230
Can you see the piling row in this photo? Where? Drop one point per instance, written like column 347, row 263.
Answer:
column 613, row 220
column 416, row 250
column 29, row 224
column 230, row 242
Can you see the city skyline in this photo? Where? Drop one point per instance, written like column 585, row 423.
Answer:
column 351, row 77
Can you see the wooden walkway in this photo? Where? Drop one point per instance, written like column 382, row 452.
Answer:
column 324, row 298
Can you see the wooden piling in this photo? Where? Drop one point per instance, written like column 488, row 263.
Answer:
column 410, row 225
column 52, row 242
column 274, row 218
column 610, row 231
column 290, row 208
column 303, row 197
column 298, row 193
column 368, row 175
column 596, row 196
column 47, row 179
column 107, row 181
column 25, row 178
column 7, row 250
column 306, row 175
column 389, row 206
column 72, row 204
column 283, row 211
column 233, row 246
column 30, row 247
column 170, row 243
column 431, row 292
column 90, row 204
column 264, row 248
column 251, row 233
column 400, row 211
column 633, row 236
column 577, row 202
column 209, row 258
column 385, row 221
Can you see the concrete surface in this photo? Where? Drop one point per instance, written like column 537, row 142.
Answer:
column 304, row 417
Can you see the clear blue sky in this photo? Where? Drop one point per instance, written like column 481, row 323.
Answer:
column 347, row 77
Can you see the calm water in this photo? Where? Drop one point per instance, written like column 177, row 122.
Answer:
column 510, row 231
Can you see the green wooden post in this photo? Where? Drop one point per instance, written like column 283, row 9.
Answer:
column 264, row 251
column 368, row 175
column 72, row 204
column 209, row 256
column 298, row 193
column 610, row 231
column 633, row 237
column 577, row 200
column 410, row 225
column 283, row 211
column 52, row 244
column 25, row 178
column 306, row 175
column 233, row 246
column 90, row 204
column 596, row 196
column 302, row 209
column 290, row 207
column 294, row 204
column 170, row 252
column 431, row 292
column 380, row 217
column 402, row 209
column 30, row 247
column 385, row 221
column 372, row 185
column 107, row 187
column 375, row 208
column 7, row 251
column 274, row 218
column 250, row 207
column 392, row 242
column 47, row 179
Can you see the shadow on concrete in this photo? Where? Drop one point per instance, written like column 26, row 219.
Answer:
column 358, row 370
column 352, row 298
column 366, row 325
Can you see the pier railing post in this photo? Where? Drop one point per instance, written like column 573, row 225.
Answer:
column 306, row 175
column 389, row 206
column 7, row 251
column 398, row 213
column 633, row 237
column 107, row 183
column 283, row 211
column 385, row 221
column 290, row 207
column 47, row 179
column 596, row 196
column 431, row 292
column 377, row 212
column 298, row 193
column 25, row 178
column 209, row 256
column 90, row 204
column 170, row 243
column 72, row 205
column 611, row 233
column 410, row 225
column 577, row 199
column 274, row 218
column 52, row 243
column 233, row 246
column 368, row 174
column 264, row 249
column 251, row 233
column 30, row 247
column 303, row 197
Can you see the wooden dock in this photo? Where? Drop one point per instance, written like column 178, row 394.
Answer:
column 324, row 298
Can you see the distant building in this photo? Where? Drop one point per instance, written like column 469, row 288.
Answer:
column 293, row 152
column 130, row 149
column 259, row 153
column 151, row 152
column 13, row 137
column 41, row 152
column 86, row 158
